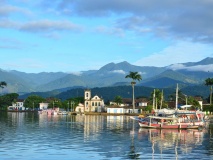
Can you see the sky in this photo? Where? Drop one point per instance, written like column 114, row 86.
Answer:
column 81, row 35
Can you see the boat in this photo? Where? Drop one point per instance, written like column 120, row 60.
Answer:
column 62, row 113
column 173, row 118
column 137, row 118
column 169, row 123
column 40, row 111
column 54, row 112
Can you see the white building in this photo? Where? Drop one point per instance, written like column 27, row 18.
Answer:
column 115, row 110
column 17, row 106
column 141, row 102
column 80, row 108
column 95, row 104
column 43, row 106
column 121, row 110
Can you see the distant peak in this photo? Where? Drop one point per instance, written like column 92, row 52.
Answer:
column 123, row 63
column 209, row 58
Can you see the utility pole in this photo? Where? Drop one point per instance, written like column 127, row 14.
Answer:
column 68, row 106
column 176, row 104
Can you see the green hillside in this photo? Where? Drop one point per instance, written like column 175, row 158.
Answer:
column 109, row 93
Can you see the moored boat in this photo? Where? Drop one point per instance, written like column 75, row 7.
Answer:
column 168, row 123
column 62, row 113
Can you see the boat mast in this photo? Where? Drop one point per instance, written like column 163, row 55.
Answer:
column 176, row 105
column 153, row 105
column 161, row 102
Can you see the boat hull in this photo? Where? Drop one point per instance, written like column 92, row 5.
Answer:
column 168, row 126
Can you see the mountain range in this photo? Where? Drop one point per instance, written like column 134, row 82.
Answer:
column 112, row 74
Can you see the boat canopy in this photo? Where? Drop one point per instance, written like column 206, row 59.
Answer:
column 185, row 106
column 158, row 117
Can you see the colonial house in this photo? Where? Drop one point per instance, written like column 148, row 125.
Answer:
column 43, row 106
column 79, row 108
column 140, row 102
column 123, row 109
column 126, row 106
column 19, row 105
column 93, row 104
column 181, row 102
column 200, row 101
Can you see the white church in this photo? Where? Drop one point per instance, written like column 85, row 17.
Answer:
column 91, row 104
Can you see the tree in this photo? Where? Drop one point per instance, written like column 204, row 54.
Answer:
column 134, row 76
column 6, row 100
column 118, row 100
column 158, row 99
column 72, row 103
column 3, row 84
column 54, row 102
column 209, row 82
column 148, row 108
column 33, row 101
column 192, row 101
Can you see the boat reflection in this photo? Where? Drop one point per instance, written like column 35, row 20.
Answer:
column 182, row 141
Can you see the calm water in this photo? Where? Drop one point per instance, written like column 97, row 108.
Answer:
column 31, row 136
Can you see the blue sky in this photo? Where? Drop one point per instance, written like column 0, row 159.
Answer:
column 80, row 35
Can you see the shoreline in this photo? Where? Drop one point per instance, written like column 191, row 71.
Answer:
column 87, row 113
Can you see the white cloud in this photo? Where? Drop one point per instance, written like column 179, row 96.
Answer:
column 203, row 68
column 49, row 25
column 6, row 10
column 193, row 20
column 76, row 73
column 47, row 28
column 177, row 66
column 5, row 23
column 180, row 52
column 118, row 71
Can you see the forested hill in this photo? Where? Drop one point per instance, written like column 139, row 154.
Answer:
column 109, row 93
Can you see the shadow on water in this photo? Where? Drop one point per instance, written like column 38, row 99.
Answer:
column 132, row 153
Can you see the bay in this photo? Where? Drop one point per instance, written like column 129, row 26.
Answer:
column 32, row 136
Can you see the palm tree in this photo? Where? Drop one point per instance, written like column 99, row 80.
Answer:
column 3, row 84
column 157, row 98
column 134, row 76
column 118, row 100
column 209, row 82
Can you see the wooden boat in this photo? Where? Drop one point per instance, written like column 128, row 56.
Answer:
column 168, row 123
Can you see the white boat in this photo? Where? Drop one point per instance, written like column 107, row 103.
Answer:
column 54, row 112
column 62, row 113
column 181, row 120
column 169, row 123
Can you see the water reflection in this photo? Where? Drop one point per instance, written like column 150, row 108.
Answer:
column 42, row 136
column 181, row 141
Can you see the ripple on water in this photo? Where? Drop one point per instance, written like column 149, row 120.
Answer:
column 40, row 137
